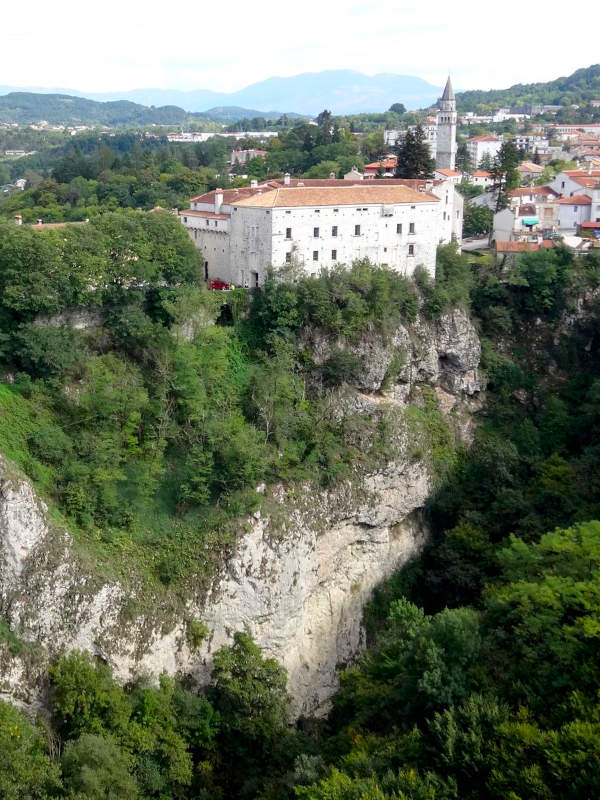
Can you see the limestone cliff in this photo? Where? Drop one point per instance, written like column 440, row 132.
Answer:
column 297, row 578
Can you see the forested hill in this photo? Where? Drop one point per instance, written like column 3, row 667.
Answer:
column 580, row 87
column 64, row 109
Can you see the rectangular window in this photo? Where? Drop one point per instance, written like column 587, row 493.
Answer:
column 411, row 249
column 316, row 233
column 317, row 210
column 334, row 230
column 287, row 212
column 357, row 230
column 288, row 233
column 315, row 255
column 208, row 222
column 288, row 258
column 335, row 210
column 411, row 227
column 399, row 228
column 254, row 278
column 334, row 255
column 185, row 219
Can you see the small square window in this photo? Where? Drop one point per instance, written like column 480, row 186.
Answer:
column 335, row 210
column 287, row 212
column 315, row 255
column 317, row 210
column 334, row 255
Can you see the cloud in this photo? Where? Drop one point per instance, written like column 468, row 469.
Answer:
column 121, row 44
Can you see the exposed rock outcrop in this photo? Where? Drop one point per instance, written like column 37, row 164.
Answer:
column 297, row 579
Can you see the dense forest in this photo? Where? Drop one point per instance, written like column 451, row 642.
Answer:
column 147, row 431
column 75, row 180
column 579, row 88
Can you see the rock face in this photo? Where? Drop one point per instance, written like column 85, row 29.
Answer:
column 297, row 579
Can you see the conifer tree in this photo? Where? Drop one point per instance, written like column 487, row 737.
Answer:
column 414, row 157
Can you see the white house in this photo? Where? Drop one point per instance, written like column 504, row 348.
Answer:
column 573, row 211
column 317, row 224
column 570, row 182
column 480, row 146
column 482, row 177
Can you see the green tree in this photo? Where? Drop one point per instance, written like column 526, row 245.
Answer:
column 26, row 771
column 96, row 768
column 414, row 155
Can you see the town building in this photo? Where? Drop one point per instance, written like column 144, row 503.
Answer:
column 321, row 223
column 481, row 177
column 528, row 171
column 244, row 156
column 386, row 168
column 479, row 147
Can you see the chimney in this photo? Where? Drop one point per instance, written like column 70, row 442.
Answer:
column 218, row 200
column 40, row 222
column 254, row 183
column 332, row 175
column 18, row 219
column 286, row 179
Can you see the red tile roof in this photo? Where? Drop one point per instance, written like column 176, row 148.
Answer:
column 594, row 225
column 450, row 173
column 481, row 174
column 576, row 200
column 483, row 139
column 365, row 193
column 524, row 191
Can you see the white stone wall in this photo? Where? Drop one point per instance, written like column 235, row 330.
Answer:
column 477, row 150
column 451, row 210
column 378, row 239
column 570, row 216
column 251, row 245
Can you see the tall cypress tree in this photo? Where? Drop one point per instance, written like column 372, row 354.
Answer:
column 414, row 157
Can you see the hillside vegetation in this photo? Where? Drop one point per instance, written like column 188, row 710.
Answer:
column 150, row 429
column 580, row 87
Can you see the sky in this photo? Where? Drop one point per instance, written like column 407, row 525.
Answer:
column 127, row 44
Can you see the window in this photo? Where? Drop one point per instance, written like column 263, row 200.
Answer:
column 185, row 219
column 411, row 227
column 399, row 228
column 207, row 222
column 334, row 255
column 335, row 210
column 288, row 258
column 562, row 186
column 334, row 230
column 574, row 208
column 206, row 270
column 254, row 278
column 315, row 255
column 216, row 223
column 411, row 249
column 316, row 233
column 357, row 230
column 317, row 210
column 444, row 216
column 288, row 233
column 287, row 212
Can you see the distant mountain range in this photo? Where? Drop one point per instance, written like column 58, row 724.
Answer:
column 341, row 91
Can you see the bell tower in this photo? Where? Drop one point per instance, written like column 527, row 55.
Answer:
column 446, row 129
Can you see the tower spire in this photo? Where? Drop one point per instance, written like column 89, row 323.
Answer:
column 448, row 91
